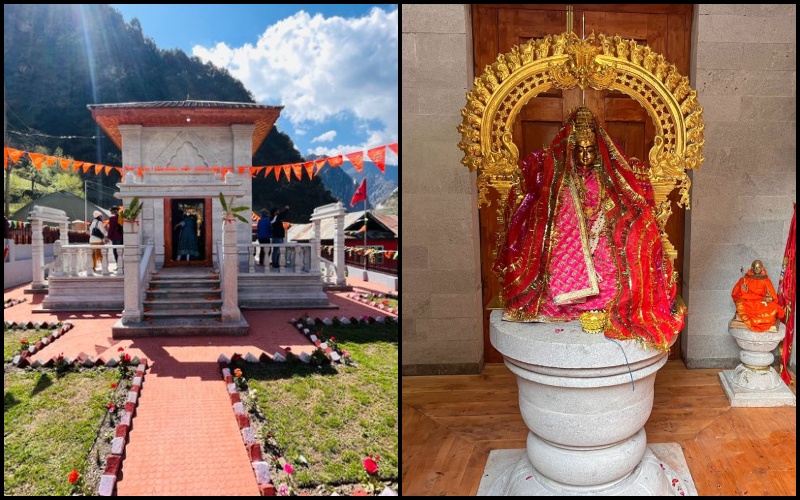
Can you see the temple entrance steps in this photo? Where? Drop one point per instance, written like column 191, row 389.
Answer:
column 179, row 293
column 182, row 301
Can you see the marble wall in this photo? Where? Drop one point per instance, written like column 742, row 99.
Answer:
column 442, row 327
column 744, row 70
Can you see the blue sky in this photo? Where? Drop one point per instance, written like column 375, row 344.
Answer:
column 333, row 67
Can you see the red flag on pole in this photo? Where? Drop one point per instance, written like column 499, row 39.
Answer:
column 787, row 293
column 360, row 194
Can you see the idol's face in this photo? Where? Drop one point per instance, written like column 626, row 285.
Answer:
column 585, row 153
column 758, row 267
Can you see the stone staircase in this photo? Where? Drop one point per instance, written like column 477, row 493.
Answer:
column 182, row 301
column 184, row 293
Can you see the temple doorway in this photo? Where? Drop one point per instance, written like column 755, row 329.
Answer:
column 187, row 232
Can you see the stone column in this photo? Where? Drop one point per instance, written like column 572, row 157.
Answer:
column 37, row 253
column 132, row 256
column 230, row 261
column 315, row 246
column 63, row 229
column 585, row 400
column 338, row 249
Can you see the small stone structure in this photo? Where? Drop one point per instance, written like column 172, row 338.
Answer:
column 585, row 399
column 754, row 382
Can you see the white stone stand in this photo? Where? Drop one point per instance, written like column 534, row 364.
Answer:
column 754, row 383
column 585, row 399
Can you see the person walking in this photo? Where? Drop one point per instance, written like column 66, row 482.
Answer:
column 115, row 231
column 98, row 235
column 278, row 233
column 264, row 234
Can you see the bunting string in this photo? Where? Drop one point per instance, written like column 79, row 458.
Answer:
column 299, row 171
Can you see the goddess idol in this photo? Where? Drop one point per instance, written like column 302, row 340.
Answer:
column 584, row 237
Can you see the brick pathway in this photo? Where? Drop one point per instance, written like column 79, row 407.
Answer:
column 184, row 440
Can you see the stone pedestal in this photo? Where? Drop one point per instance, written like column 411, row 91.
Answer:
column 585, row 399
column 754, row 382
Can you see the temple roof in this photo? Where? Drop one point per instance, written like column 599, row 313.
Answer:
column 185, row 114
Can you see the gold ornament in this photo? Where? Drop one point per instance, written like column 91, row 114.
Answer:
column 594, row 321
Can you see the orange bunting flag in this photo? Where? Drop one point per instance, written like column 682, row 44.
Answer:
column 98, row 169
column 140, row 171
column 335, row 161
column 298, row 171
column 393, row 147
column 64, row 163
column 319, row 164
column 309, row 166
column 37, row 159
column 49, row 160
column 77, row 165
column 107, row 170
column 5, row 158
column 15, row 154
column 278, row 173
column 241, row 170
column 378, row 156
column 87, row 166
column 287, row 169
column 357, row 159
column 267, row 171
column 118, row 170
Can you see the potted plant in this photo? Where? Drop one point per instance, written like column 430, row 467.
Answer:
column 229, row 212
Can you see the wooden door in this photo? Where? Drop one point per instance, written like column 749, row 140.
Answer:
column 175, row 209
column 496, row 28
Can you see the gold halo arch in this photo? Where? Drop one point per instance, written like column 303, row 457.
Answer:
column 566, row 61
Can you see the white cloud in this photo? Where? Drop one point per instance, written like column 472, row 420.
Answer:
column 320, row 67
column 376, row 138
column 325, row 137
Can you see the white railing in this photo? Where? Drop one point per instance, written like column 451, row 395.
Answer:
column 295, row 258
column 76, row 260
column 328, row 271
column 221, row 267
column 146, row 267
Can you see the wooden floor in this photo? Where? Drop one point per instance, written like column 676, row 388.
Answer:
column 450, row 423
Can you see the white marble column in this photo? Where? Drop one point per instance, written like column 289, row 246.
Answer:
column 315, row 243
column 338, row 249
column 37, row 254
column 230, row 261
column 132, row 236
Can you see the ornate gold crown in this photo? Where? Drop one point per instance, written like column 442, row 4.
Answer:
column 584, row 127
column 594, row 321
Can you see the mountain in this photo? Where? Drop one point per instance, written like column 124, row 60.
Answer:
column 379, row 185
column 59, row 58
column 390, row 205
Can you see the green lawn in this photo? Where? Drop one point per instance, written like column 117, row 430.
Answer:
column 11, row 338
column 338, row 415
column 49, row 425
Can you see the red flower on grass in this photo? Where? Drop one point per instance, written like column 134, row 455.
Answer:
column 371, row 465
column 73, row 477
column 333, row 339
column 287, row 468
column 113, row 385
column 127, row 358
column 120, row 349
column 111, row 407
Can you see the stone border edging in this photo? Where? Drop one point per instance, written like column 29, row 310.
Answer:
column 13, row 302
column 365, row 300
column 108, row 481
column 254, row 453
column 21, row 360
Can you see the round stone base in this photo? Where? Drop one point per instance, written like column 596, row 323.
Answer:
column 755, row 398
column 509, row 472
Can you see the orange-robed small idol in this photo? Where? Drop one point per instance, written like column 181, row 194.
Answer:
column 756, row 300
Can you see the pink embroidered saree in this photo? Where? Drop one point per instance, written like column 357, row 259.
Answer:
column 556, row 264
